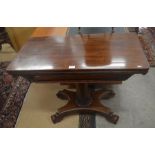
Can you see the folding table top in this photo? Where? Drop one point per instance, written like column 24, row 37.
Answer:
column 95, row 52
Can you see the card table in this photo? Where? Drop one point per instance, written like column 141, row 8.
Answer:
column 83, row 59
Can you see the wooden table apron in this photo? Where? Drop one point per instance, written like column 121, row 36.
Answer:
column 87, row 53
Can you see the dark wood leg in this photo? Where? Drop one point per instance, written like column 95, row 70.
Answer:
column 84, row 100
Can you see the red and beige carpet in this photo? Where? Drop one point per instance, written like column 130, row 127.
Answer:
column 12, row 94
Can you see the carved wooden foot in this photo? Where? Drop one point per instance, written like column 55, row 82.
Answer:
column 61, row 95
column 104, row 94
column 56, row 118
column 108, row 94
column 112, row 118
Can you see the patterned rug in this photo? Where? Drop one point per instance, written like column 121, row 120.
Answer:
column 147, row 38
column 12, row 94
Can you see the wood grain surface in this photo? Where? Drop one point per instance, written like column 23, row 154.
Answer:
column 102, row 52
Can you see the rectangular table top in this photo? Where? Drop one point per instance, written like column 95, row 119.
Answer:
column 95, row 52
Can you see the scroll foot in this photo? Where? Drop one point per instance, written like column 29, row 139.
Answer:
column 112, row 118
column 108, row 94
column 61, row 95
column 56, row 118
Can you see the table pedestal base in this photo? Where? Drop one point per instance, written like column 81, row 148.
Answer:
column 84, row 100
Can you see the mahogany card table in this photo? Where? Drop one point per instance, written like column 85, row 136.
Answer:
column 82, row 60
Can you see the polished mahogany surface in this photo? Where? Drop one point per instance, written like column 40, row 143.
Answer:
column 99, row 52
